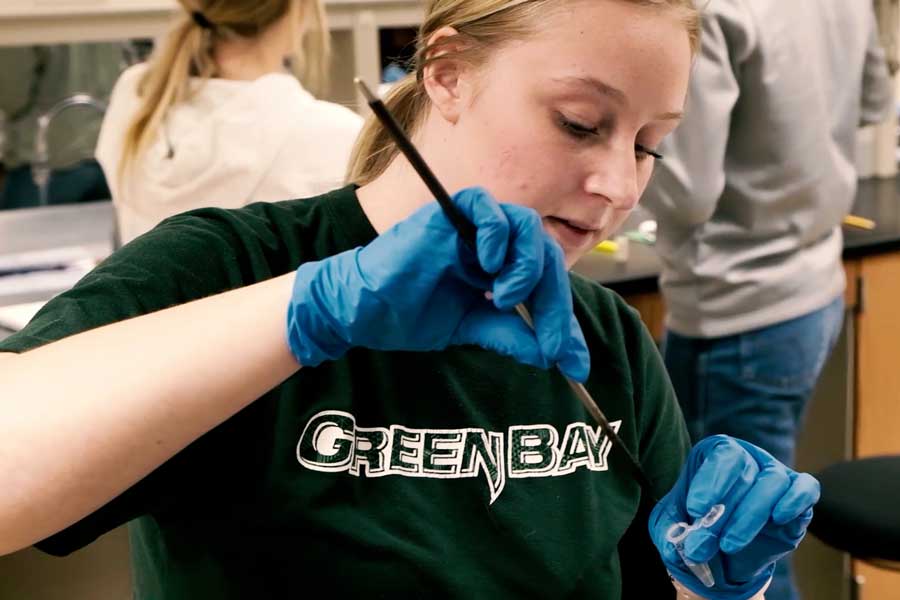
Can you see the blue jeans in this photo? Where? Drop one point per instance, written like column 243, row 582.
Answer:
column 755, row 386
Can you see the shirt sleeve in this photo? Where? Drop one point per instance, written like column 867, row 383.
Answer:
column 877, row 94
column 183, row 259
column 689, row 180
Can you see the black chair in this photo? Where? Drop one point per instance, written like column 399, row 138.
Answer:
column 859, row 512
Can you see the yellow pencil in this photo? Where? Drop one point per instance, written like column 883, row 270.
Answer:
column 861, row 222
column 607, row 246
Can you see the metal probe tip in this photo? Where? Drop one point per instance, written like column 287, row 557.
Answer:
column 370, row 97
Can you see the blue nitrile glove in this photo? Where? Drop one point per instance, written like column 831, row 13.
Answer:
column 416, row 287
column 767, row 509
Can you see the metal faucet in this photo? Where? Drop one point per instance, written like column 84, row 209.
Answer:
column 40, row 166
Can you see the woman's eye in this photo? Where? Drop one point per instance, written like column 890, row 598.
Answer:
column 582, row 132
column 577, row 130
column 643, row 152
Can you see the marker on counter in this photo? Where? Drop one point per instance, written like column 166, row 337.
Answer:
column 617, row 248
column 607, row 247
column 860, row 222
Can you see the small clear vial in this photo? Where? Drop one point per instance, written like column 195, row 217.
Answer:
column 678, row 532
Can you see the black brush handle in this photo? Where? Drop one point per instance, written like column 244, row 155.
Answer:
column 463, row 226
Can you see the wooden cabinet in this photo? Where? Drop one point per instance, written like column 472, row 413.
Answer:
column 652, row 309
column 878, row 352
column 877, row 423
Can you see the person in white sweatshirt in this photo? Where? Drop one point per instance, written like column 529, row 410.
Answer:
column 218, row 115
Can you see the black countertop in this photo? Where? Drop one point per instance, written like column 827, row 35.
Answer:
column 91, row 226
column 876, row 199
column 879, row 200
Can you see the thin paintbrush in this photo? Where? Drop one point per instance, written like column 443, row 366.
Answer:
column 467, row 232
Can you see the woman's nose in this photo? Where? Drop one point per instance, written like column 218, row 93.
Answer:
column 615, row 178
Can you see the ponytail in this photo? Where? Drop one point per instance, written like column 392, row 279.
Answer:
column 186, row 52
column 375, row 149
column 313, row 48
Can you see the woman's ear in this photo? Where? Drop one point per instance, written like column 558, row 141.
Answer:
column 447, row 81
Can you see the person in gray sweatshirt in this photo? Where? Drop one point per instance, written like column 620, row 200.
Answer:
column 749, row 200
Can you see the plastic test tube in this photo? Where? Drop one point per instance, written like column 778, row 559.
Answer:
column 679, row 531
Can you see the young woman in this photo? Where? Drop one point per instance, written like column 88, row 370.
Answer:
column 215, row 118
column 321, row 391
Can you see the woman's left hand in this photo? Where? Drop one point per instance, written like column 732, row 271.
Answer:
column 767, row 509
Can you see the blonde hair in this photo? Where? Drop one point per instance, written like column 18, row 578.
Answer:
column 482, row 25
column 188, row 51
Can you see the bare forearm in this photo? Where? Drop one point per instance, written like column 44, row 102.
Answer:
column 84, row 418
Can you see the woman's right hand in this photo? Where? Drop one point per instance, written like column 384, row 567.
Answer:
column 413, row 288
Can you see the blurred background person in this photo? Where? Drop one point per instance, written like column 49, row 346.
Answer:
column 749, row 202
column 219, row 117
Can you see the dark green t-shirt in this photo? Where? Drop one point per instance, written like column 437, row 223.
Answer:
column 458, row 473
